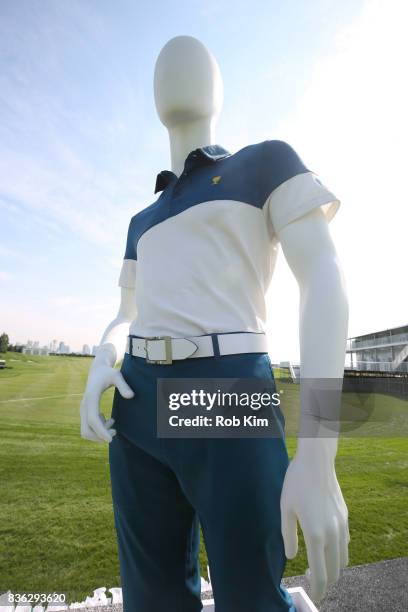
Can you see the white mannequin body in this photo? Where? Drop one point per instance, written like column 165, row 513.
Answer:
column 188, row 96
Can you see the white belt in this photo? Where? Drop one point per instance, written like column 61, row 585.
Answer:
column 165, row 349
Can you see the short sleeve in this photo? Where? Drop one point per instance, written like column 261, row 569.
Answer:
column 294, row 189
column 127, row 276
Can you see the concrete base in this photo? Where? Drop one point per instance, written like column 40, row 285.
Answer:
column 301, row 600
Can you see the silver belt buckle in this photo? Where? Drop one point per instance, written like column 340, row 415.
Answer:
column 167, row 350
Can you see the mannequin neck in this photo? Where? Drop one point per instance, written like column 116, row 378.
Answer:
column 187, row 136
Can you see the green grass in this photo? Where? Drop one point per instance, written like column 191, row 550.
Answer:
column 56, row 521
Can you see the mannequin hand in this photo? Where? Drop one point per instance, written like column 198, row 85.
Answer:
column 94, row 426
column 311, row 495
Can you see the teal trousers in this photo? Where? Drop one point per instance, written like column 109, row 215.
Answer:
column 163, row 489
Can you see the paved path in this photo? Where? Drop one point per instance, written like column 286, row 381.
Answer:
column 376, row 587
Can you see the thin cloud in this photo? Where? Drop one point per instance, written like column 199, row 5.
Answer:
column 66, row 146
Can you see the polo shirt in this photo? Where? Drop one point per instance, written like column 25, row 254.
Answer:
column 202, row 255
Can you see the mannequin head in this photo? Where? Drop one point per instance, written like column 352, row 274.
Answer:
column 187, row 83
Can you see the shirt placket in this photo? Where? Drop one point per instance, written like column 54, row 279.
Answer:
column 184, row 177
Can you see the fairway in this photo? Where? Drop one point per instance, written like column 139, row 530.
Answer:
column 56, row 521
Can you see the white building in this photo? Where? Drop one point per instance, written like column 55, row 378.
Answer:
column 382, row 351
column 35, row 349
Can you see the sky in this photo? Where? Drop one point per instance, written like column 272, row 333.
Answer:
column 81, row 145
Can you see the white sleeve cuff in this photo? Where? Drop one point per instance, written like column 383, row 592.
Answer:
column 127, row 277
column 297, row 196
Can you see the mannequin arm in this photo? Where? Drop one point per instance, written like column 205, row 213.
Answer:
column 111, row 348
column 311, row 493
column 103, row 374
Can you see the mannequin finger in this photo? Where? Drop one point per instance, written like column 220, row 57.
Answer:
column 343, row 544
column 332, row 556
column 88, row 434
column 348, row 533
column 123, row 387
column 106, row 422
column 97, row 426
column 317, row 566
column 289, row 533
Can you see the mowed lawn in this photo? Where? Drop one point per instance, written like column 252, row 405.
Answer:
column 56, row 522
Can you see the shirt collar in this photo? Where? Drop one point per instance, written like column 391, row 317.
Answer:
column 198, row 156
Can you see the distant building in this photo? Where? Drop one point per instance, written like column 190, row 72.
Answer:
column 86, row 350
column 382, row 351
column 63, row 348
column 35, row 349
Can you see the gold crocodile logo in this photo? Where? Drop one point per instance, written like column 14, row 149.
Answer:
column 216, row 180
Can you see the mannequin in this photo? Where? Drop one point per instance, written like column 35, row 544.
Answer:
column 188, row 96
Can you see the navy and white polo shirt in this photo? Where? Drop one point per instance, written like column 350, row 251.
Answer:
column 201, row 257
